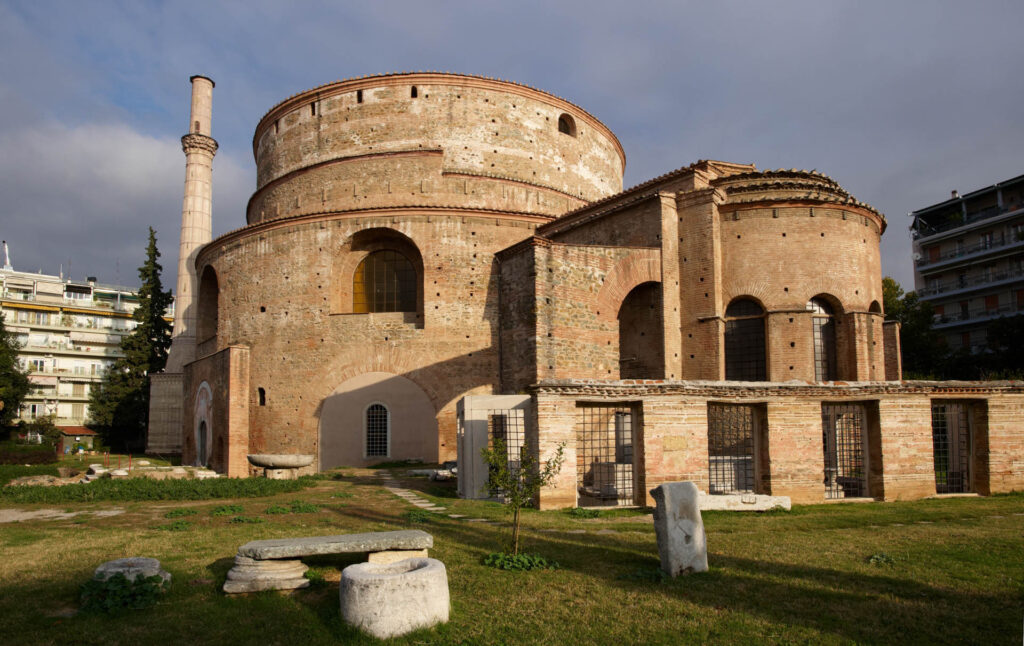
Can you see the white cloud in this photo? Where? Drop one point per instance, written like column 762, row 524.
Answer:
column 88, row 193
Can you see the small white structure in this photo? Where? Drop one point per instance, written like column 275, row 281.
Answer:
column 132, row 568
column 388, row 600
column 482, row 417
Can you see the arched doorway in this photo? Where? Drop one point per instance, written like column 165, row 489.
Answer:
column 202, row 418
column 377, row 417
column 641, row 335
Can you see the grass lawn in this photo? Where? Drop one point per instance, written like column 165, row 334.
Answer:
column 934, row 571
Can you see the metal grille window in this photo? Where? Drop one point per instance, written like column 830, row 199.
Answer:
column 731, row 448
column 951, row 441
column 385, row 281
column 744, row 342
column 604, row 455
column 507, row 428
column 378, row 421
column 843, row 441
column 824, row 340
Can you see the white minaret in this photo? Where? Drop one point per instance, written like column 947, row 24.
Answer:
column 166, row 392
column 196, row 220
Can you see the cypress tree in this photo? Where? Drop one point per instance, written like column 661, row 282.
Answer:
column 119, row 407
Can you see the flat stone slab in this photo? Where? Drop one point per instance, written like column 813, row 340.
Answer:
column 388, row 600
column 292, row 548
column 132, row 568
column 743, row 502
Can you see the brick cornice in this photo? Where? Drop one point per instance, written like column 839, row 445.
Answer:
column 584, row 388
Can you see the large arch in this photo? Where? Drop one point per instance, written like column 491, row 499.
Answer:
column 209, row 305
column 411, row 421
column 641, row 334
column 353, row 255
column 202, row 424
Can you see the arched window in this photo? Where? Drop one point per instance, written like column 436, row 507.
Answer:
column 744, row 342
column 641, row 335
column 385, row 281
column 875, row 308
column 566, row 125
column 824, row 340
column 414, row 92
column 378, row 425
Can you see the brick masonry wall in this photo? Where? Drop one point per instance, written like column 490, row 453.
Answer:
column 227, row 373
column 483, row 127
column 277, row 282
column 897, row 427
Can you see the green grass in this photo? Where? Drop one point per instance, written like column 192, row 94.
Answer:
column 932, row 571
column 133, row 489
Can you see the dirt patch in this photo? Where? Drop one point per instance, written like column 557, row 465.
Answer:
column 18, row 515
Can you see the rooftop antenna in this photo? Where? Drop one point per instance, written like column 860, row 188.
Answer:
column 7, row 258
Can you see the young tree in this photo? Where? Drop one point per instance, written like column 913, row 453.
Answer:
column 120, row 405
column 519, row 482
column 14, row 383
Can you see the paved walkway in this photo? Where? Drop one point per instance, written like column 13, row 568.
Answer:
column 414, row 499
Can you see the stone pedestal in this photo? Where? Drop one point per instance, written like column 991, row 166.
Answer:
column 251, row 575
column 682, row 544
column 391, row 600
column 132, row 568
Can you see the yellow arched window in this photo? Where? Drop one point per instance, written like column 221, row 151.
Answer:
column 385, row 281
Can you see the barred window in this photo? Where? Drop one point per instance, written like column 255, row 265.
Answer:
column 744, row 342
column 824, row 340
column 385, row 281
column 377, row 426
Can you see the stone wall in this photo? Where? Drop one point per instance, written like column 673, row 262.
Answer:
column 897, row 433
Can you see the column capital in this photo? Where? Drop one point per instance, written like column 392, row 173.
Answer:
column 197, row 143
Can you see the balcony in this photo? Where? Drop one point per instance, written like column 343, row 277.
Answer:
column 922, row 229
column 975, row 316
column 971, row 284
column 969, row 253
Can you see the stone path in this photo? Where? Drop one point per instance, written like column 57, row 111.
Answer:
column 414, row 499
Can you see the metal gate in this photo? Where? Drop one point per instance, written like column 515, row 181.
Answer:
column 604, row 455
column 731, row 448
column 951, row 441
column 843, row 442
column 506, row 428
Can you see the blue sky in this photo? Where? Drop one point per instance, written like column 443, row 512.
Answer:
column 900, row 102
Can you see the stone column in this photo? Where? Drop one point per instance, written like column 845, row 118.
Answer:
column 166, row 389
column 196, row 220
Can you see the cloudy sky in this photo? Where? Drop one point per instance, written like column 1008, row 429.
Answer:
column 899, row 101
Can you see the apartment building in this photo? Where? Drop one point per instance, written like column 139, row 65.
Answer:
column 969, row 260
column 70, row 332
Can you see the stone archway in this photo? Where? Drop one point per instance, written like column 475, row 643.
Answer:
column 202, row 424
column 350, row 433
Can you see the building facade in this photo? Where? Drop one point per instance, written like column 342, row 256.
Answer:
column 70, row 332
column 969, row 260
column 419, row 241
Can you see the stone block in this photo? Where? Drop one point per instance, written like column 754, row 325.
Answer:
column 394, row 599
column 743, row 502
column 682, row 544
column 132, row 568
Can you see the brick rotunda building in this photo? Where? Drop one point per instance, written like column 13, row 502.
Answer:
column 433, row 260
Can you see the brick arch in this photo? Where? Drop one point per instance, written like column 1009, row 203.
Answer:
column 356, row 248
column 643, row 266
column 385, row 358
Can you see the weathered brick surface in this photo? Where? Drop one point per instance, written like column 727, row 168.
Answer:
column 673, row 426
column 227, row 374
